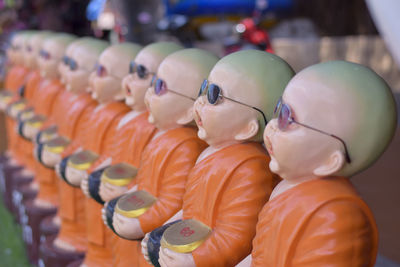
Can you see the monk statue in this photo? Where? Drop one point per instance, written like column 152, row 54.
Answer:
column 117, row 166
column 20, row 112
column 105, row 87
column 334, row 120
column 156, row 193
column 70, row 115
column 231, row 181
column 44, row 96
column 10, row 102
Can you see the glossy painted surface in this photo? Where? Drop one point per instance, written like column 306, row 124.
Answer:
column 232, row 185
column 314, row 217
column 231, row 180
column 317, row 222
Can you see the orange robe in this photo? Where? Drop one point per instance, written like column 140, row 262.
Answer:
column 59, row 106
column 24, row 148
column 16, row 77
column 226, row 191
column 164, row 169
column 127, row 146
column 100, row 130
column 319, row 222
column 32, row 86
column 71, row 113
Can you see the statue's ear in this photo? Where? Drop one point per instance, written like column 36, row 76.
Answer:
column 186, row 117
column 332, row 165
column 249, row 131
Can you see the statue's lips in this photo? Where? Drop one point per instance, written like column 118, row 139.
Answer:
column 268, row 145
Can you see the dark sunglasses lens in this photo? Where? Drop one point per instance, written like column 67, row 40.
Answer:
column 66, row 60
column 203, row 87
column 132, row 67
column 283, row 117
column 44, row 54
column 213, row 93
column 141, row 71
column 101, row 71
column 72, row 64
column 158, row 88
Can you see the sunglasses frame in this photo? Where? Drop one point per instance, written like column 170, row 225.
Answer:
column 133, row 67
column 73, row 61
column 277, row 112
column 154, row 82
column 65, row 60
column 204, row 89
column 44, row 54
column 108, row 73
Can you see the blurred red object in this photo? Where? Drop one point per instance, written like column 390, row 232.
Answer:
column 253, row 34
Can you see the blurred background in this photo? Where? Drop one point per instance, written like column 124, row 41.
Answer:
column 303, row 32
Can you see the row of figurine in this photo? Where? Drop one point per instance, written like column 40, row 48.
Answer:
column 123, row 155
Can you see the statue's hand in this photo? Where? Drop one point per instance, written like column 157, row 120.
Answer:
column 49, row 158
column 109, row 191
column 85, row 186
column 57, row 170
column 75, row 176
column 103, row 214
column 145, row 251
column 169, row 258
column 128, row 228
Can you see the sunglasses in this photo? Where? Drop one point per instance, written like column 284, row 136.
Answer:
column 160, row 88
column 15, row 47
column 44, row 54
column 65, row 60
column 101, row 71
column 284, row 114
column 141, row 70
column 73, row 65
column 214, row 94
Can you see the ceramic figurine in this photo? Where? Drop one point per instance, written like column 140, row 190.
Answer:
column 42, row 99
column 334, row 120
column 117, row 166
column 16, row 110
column 231, row 181
column 157, row 191
column 105, row 87
column 70, row 115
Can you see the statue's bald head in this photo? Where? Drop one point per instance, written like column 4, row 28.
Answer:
column 54, row 47
column 153, row 54
column 354, row 103
column 253, row 77
column 116, row 58
column 17, row 48
column 33, row 45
